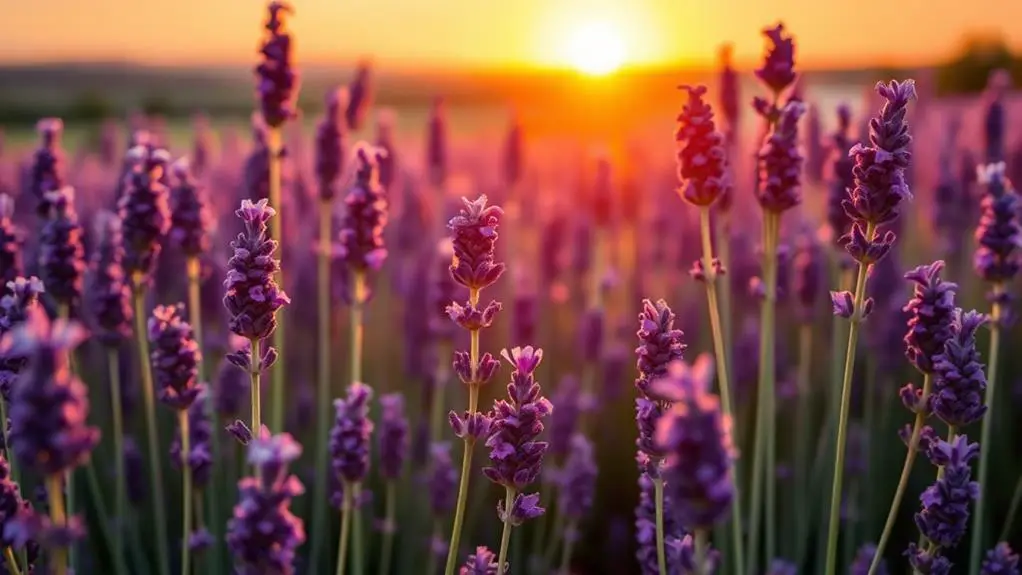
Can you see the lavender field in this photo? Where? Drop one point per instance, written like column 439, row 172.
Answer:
column 761, row 323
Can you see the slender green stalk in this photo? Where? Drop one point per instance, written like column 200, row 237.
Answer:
column 505, row 537
column 661, row 554
column 103, row 522
column 186, row 498
column 255, row 393
column 723, row 378
column 466, row 460
column 342, row 544
column 569, row 547
column 869, row 423
column 906, row 471
column 977, row 545
column 387, row 551
column 357, row 546
column 120, row 489
column 1016, row 498
column 702, row 550
column 801, row 447
column 323, row 381
column 10, row 562
column 274, row 147
column 55, row 494
column 842, row 426
column 64, row 313
column 357, row 345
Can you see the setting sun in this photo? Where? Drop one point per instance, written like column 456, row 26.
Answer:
column 596, row 48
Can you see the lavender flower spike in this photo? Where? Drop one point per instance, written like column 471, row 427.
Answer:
column 144, row 211
column 109, row 295
column 11, row 243
column 1000, row 560
column 931, row 312
column 999, row 235
column 190, row 219
column 200, row 450
column 61, row 253
column 442, row 480
column 778, row 69
column 659, row 343
column 482, row 562
column 945, row 504
column 960, row 383
column 252, row 296
column 780, row 160
column 361, row 244
column 349, row 438
column 475, row 236
column 47, row 170
column 20, row 297
column 701, row 156
column 277, row 85
column 175, row 357
column 331, row 140
column 393, row 435
column 577, row 484
column 264, row 534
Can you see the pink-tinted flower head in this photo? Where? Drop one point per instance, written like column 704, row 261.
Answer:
column 778, row 68
column 701, row 156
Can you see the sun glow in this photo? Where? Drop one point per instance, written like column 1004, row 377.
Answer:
column 596, row 48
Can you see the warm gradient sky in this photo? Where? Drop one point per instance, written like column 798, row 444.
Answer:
column 495, row 32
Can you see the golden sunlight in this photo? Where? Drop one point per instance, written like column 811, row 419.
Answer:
column 596, row 48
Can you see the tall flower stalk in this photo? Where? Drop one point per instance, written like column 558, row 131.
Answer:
column 875, row 201
column 349, row 451
column 393, row 451
column 997, row 261
column 516, row 456
column 12, row 239
column 329, row 164
column 145, row 220
column 702, row 165
column 277, row 90
column 473, row 266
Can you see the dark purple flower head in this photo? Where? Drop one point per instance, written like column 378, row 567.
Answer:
column 442, row 479
column 11, row 243
column 11, row 503
column 199, row 458
column 994, row 119
column 349, row 438
column 441, row 291
column 879, row 170
column 696, row 438
column 513, row 156
column 263, row 534
column 778, row 69
column 387, row 168
column 729, row 103
column 482, row 562
column 645, row 531
column 144, row 210
column 780, row 163
column 927, row 562
column 999, row 235
column 189, row 218
column 18, row 299
column 931, row 311
column 960, row 383
column 781, row 567
column 361, row 91
column 863, row 559
column 175, row 357
column 515, row 454
column 475, row 237
column 47, row 169
column 577, row 480
column 473, row 317
column 361, row 237
column 109, row 295
column 230, row 389
column 330, row 144
column 1000, row 560
column 945, row 504
column 809, row 277
column 590, row 335
column 393, row 435
column 840, row 179
column 61, row 253
column 523, row 508
column 50, row 406
column 276, row 76
column 436, row 144
column 564, row 422
column 702, row 160
column 659, row 343
column 252, row 297
column 647, row 416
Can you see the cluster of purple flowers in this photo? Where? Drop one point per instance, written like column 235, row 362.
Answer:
column 999, row 235
column 277, row 85
column 840, row 180
column 190, row 220
column 393, row 436
column 17, row 303
column 331, row 136
column 659, row 345
column 175, row 357
column 356, row 107
column 109, row 295
column 199, row 458
column 931, row 314
column 576, row 482
column 482, row 562
column 349, row 438
column 960, row 383
column 361, row 244
column 778, row 69
column 61, row 253
column 702, row 159
column 46, row 171
column 144, row 210
column 1000, row 560
column 11, row 242
column 780, row 162
column 252, row 296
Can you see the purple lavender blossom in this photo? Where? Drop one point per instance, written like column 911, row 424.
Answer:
column 945, row 504
column 590, row 335
column 840, row 180
column 780, row 163
column 361, row 91
column 999, row 235
column 436, row 144
column 388, row 167
column 482, row 562
column 994, row 120
column 11, row 502
column 577, row 483
column 960, row 383
column 61, row 252
column 20, row 297
column 863, row 559
column 277, row 78
column 809, row 276
column 46, row 172
column 361, row 237
column 1000, row 560
column 144, row 211
column 252, row 296
column 931, row 310
column 659, row 343
column 175, row 357
column 330, row 144
column 11, row 243
column 190, row 219
column 109, row 295
column 927, row 562
column 349, row 438
column 645, row 531
column 778, row 69
column 564, row 421
column 702, row 159
column 441, row 480
column 49, row 410
column 200, row 450
column 729, row 103
column 263, row 534
column 475, row 235
column 393, row 435
column 696, row 438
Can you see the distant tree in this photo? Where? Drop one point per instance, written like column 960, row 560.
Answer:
column 157, row 105
column 89, row 107
column 979, row 54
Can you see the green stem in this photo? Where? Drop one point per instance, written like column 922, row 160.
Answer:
column 10, row 562
column 505, row 537
column 255, row 393
column 55, row 493
column 724, row 381
column 977, row 545
column 64, row 313
column 357, row 324
column 1016, row 498
column 388, row 534
column 274, row 148
column 702, row 550
column 801, row 447
column 120, row 489
column 186, row 497
column 342, row 544
column 569, row 546
column 842, row 427
column 661, row 554
column 357, row 547
column 906, row 471
column 323, row 382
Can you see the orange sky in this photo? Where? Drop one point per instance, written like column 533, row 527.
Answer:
column 496, row 32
